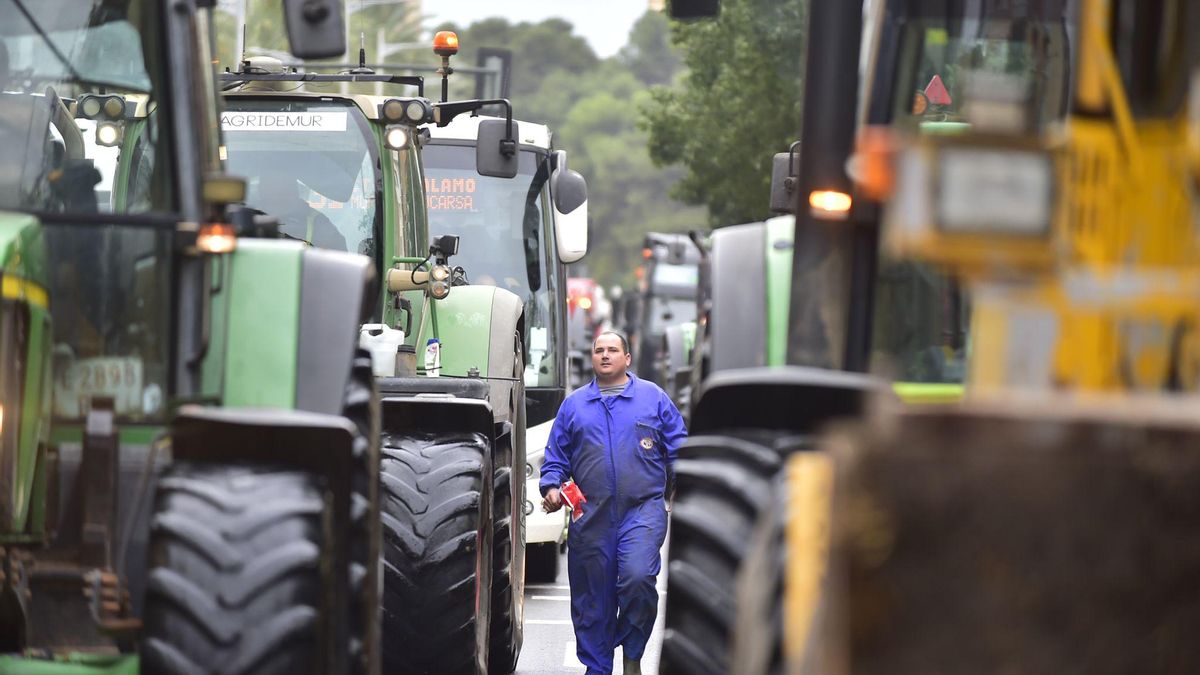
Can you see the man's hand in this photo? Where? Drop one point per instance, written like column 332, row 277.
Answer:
column 552, row 501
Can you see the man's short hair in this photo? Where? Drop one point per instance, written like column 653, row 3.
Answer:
column 622, row 338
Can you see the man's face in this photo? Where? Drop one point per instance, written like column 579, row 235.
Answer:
column 609, row 360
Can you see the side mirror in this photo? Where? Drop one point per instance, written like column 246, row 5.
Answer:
column 495, row 151
column 316, row 29
column 569, row 192
column 784, row 169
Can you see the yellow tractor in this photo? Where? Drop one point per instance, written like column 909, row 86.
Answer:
column 1047, row 522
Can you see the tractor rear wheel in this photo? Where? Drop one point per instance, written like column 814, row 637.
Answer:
column 235, row 574
column 722, row 483
column 436, row 495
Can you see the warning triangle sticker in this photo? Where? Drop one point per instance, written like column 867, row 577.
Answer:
column 936, row 92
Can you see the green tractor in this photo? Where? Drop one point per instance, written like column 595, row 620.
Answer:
column 350, row 173
column 519, row 234
column 190, row 451
column 666, row 297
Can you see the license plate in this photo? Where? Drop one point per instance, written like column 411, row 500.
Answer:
column 118, row 378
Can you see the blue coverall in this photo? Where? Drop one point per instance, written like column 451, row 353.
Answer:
column 619, row 450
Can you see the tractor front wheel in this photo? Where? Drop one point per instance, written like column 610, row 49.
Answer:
column 437, row 544
column 722, row 484
column 235, row 573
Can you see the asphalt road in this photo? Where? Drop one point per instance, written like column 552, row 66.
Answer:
column 550, row 640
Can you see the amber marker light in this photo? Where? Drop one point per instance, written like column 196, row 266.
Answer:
column 585, row 303
column 829, row 204
column 646, row 253
column 445, row 43
column 216, row 238
column 875, row 157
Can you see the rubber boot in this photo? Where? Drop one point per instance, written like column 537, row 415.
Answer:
column 633, row 666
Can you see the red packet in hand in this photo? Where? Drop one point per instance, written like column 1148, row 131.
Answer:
column 574, row 498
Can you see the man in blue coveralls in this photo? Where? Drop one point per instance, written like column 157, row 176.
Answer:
column 617, row 438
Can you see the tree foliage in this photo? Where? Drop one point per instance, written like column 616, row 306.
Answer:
column 737, row 105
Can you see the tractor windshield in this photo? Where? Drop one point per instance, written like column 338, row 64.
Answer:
column 1004, row 67
column 1009, row 71
column 311, row 163
column 80, row 86
column 53, row 54
column 506, row 239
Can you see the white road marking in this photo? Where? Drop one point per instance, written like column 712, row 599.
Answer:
column 560, row 598
column 569, row 658
column 549, row 622
column 549, row 587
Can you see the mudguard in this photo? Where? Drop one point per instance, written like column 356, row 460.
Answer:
column 286, row 325
column 791, row 399
column 24, row 300
column 478, row 328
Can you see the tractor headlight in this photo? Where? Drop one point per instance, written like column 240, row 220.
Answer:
column 99, row 106
column 108, row 134
column 418, row 111
column 528, row 471
column 995, row 191
column 409, row 110
column 396, row 137
column 439, row 289
column 439, row 273
column 392, row 110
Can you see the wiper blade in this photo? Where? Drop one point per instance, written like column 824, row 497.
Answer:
column 46, row 38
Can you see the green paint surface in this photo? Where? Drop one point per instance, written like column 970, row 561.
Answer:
column 779, row 239
column 263, row 324
column 464, row 322
column 928, row 392
column 72, row 664
column 212, row 370
column 127, row 434
column 34, row 420
column 23, row 257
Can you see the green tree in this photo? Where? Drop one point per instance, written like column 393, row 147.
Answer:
column 737, row 105
column 649, row 53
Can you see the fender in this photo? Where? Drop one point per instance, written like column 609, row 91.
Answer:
column 478, row 326
column 24, row 301
column 791, row 399
column 738, row 316
column 286, row 324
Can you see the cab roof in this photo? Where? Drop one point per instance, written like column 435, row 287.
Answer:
column 466, row 128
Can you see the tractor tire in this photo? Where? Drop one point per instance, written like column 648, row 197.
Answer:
column 721, row 484
column 235, row 580
column 508, row 545
column 758, row 622
column 437, row 542
column 362, row 408
column 541, row 563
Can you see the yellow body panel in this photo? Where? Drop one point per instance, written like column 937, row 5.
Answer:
column 1117, row 306
column 809, row 498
